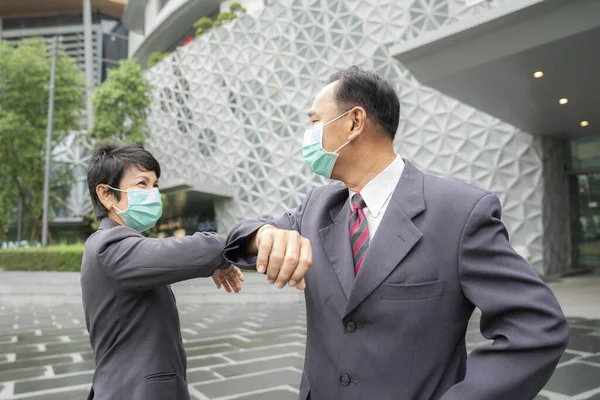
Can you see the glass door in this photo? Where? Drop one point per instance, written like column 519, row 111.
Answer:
column 587, row 245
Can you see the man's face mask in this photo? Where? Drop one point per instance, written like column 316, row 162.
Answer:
column 144, row 210
column 320, row 160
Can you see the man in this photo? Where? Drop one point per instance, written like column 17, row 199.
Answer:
column 400, row 259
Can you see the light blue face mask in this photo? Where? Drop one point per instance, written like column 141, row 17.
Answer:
column 144, row 209
column 320, row 160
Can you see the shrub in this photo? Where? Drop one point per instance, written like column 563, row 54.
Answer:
column 225, row 17
column 203, row 25
column 156, row 57
column 53, row 258
column 236, row 7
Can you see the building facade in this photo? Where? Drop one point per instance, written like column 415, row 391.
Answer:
column 164, row 25
column 229, row 110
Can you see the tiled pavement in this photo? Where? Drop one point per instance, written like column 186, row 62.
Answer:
column 234, row 352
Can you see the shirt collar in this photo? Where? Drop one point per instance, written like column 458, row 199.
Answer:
column 379, row 189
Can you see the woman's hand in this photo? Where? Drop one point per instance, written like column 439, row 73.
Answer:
column 231, row 279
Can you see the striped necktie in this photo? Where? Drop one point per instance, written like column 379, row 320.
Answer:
column 359, row 231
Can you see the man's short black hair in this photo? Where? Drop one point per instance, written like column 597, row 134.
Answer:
column 108, row 164
column 357, row 87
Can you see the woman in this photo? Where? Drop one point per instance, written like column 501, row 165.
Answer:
column 129, row 307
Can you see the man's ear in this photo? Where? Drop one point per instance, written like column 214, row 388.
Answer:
column 358, row 116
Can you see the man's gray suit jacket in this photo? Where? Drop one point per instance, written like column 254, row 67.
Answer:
column 396, row 331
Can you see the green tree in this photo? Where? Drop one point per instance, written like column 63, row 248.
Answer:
column 24, row 85
column 203, row 25
column 225, row 17
column 121, row 105
column 236, row 8
column 156, row 57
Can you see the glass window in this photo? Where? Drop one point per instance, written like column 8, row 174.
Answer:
column 584, row 154
column 587, row 226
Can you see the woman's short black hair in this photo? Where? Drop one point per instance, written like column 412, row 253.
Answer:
column 357, row 87
column 108, row 164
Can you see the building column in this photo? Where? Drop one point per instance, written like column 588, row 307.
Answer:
column 556, row 216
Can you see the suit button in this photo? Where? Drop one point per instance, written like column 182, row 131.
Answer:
column 350, row 326
column 344, row 379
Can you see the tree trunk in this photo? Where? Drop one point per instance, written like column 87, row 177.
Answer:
column 36, row 230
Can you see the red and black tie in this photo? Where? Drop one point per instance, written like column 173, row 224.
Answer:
column 359, row 231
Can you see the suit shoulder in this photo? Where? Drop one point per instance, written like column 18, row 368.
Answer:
column 102, row 237
column 329, row 190
column 452, row 191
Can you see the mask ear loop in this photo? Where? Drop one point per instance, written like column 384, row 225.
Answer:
column 118, row 190
column 342, row 146
column 336, row 118
column 333, row 120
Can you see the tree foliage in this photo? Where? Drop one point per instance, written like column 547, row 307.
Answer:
column 24, row 92
column 204, row 24
column 236, row 7
column 121, row 105
column 156, row 57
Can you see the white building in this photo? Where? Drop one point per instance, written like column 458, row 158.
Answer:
column 229, row 108
column 164, row 25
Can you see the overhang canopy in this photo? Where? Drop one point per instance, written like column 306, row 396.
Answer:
column 488, row 61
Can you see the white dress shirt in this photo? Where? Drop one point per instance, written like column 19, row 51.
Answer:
column 378, row 192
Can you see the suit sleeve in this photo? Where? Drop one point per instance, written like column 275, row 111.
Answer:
column 519, row 313
column 237, row 239
column 141, row 263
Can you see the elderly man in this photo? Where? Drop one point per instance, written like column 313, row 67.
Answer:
column 400, row 259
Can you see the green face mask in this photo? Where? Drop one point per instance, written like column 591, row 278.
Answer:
column 144, row 210
column 320, row 160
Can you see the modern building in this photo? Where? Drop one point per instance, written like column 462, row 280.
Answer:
column 164, row 25
column 502, row 94
column 64, row 18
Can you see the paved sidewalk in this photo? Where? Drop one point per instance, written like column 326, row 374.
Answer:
column 249, row 348
column 53, row 288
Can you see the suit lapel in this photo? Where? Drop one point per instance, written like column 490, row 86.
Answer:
column 336, row 241
column 395, row 237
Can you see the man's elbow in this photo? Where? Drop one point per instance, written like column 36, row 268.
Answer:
column 563, row 333
column 557, row 338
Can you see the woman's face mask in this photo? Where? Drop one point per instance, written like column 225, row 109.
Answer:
column 144, row 209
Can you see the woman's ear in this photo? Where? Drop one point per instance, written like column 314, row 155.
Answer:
column 106, row 195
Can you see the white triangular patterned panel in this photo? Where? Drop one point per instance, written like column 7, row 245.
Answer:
column 257, row 78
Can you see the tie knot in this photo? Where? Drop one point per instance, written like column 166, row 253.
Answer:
column 358, row 203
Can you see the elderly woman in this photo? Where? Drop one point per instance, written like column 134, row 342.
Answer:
column 129, row 307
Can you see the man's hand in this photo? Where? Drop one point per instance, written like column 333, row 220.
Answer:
column 231, row 279
column 284, row 255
